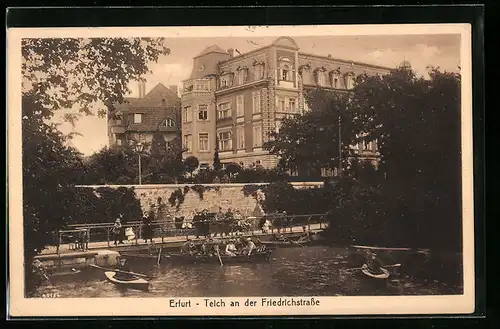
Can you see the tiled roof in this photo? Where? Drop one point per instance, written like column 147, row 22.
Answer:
column 159, row 96
column 212, row 49
column 157, row 105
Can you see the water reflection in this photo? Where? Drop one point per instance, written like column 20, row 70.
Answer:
column 308, row 271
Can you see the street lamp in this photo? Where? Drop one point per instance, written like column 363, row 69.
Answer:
column 138, row 148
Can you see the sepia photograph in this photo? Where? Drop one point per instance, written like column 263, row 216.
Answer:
column 251, row 170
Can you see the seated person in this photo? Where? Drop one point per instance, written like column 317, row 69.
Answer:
column 373, row 263
column 231, row 248
column 188, row 247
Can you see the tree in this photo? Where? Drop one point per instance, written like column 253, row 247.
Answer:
column 232, row 169
column 217, row 165
column 77, row 75
column 191, row 163
column 416, row 124
column 311, row 141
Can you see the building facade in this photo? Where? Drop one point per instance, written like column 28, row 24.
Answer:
column 238, row 101
column 136, row 119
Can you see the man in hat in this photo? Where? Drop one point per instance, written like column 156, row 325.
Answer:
column 117, row 230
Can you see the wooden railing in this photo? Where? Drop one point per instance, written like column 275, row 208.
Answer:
column 80, row 235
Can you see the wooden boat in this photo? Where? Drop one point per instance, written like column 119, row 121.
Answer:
column 131, row 282
column 285, row 244
column 226, row 259
column 384, row 275
column 72, row 272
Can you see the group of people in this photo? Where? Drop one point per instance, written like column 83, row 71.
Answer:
column 233, row 247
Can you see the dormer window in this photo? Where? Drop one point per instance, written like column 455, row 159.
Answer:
column 285, row 70
column 169, row 123
column 242, row 76
column 349, row 81
column 335, row 79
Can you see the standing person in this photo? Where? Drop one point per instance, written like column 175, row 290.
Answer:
column 147, row 229
column 117, row 230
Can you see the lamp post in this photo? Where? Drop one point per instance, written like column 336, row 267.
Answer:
column 138, row 148
column 340, row 148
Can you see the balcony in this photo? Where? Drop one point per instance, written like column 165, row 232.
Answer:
column 117, row 129
column 286, row 84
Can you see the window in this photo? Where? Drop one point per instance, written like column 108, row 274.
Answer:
column 335, row 81
column 321, row 78
column 119, row 119
column 241, row 138
column 224, row 111
column 203, row 141
column 278, row 126
column 137, row 117
column 257, row 135
column 258, row 71
column 292, row 105
column 225, row 141
column 242, row 76
column 202, row 112
column 187, row 114
column 349, row 81
column 169, row 123
column 119, row 141
column 256, row 102
column 225, row 81
column 188, row 142
column 306, row 105
column 284, row 75
column 240, row 105
column 281, row 105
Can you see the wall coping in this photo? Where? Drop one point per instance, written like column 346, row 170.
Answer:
column 149, row 186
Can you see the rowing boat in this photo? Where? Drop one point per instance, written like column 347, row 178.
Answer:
column 131, row 282
column 384, row 275
column 284, row 244
column 214, row 259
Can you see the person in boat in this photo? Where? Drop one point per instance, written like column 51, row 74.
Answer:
column 123, row 266
column 372, row 262
column 188, row 247
column 231, row 248
column 250, row 247
column 117, row 230
column 305, row 237
column 40, row 274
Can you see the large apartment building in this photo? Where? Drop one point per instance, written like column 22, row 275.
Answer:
column 238, row 101
column 137, row 118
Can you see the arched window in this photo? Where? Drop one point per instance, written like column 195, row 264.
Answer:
column 349, row 81
column 321, row 78
column 335, row 79
column 168, row 123
column 285, row 69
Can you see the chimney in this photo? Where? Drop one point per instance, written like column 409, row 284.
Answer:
column 174, row 89
column 231, row 52
column 142, row 89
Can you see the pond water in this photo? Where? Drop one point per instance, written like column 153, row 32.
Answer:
column 308, row 271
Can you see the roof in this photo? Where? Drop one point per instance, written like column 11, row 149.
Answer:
column 212, row 49
column 159, row 96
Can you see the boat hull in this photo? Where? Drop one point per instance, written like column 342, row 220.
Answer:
column 379, row 276
column 226, row 260
column 134, row 283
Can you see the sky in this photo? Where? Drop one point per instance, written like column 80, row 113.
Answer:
column 421, row 51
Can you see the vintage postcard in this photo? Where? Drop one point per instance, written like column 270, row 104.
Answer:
column 231, row 171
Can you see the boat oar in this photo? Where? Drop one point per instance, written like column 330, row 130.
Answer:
column 159, row 256
column 294, row 242
column 218, row 255
column 360, row 268
column 119, row 271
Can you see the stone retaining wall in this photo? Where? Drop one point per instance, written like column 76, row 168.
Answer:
column 215, row 196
